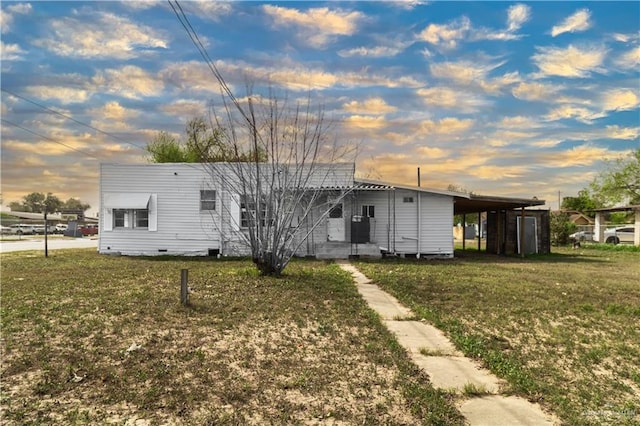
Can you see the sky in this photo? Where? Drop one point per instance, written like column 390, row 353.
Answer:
column 514, row 99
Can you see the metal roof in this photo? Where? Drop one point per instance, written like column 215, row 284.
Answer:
column 483, row 203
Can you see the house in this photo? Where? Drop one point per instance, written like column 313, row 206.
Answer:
column 185, row 209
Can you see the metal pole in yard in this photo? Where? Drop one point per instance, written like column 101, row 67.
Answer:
column 46, row 238
column 184, row 287
column 522, row 221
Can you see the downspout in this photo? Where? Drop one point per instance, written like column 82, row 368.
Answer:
column 389, row 220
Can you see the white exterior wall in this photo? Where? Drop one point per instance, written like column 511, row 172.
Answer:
column 436, row 221
column 181, row 227
column 436, row 237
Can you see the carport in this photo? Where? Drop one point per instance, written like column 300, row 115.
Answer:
column 599, row 227
column 504, row 234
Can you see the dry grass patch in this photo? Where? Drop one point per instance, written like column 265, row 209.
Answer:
column 90, row 339
column 562, row 329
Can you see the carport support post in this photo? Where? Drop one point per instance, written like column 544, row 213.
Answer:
column 464, row 231
column 522, row 232
column 184, row 287
column 479, row 229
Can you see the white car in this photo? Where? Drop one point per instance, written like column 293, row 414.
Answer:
column 621, row 234
column 22, row 229
column 61, row 227
column 582, row 236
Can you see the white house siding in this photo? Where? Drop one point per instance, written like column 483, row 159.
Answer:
column 382, row 224
column 181, row 227
column 436, row 237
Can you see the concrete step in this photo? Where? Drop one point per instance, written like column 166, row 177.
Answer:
column 343, row 250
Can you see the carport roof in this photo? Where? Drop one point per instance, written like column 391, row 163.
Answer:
column 483, row 203
column 464, row 202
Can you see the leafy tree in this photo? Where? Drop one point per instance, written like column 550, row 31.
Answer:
column 561, row 228
column 164, row 148
column 75, row 204
column 37, row 202
column 203, row 144
column 619, row 182
column 583, row 203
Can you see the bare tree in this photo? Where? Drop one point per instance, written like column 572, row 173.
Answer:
column 296, row 173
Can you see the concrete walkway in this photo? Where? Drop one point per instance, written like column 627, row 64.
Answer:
column 447, row 368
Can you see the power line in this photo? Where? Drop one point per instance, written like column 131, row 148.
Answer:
column 72, row 119
column 49, row 139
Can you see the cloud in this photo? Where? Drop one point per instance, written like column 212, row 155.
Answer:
column 582, row 155
column 296, row 76
column 100, row 35
column 10, row 52
column 535, row 91
column 451, row 99
column 64, row 95
column 365, row 122
column 517, row 122
column 624, row 133
column 316, row 26
column 6, row 16
column 629, row 60
column 620, row 100
column 517, row 14
column 372, row 52
column 579, row 21
column 369, row 106
column 582, row 114
column 570, row 62
column 112, row 116
column 212, row 10
column 129, row 81
column 195, row 76
column 448, row 125
column 474, row 74
column 185, row 108
column 433, row 153
column 446, row 36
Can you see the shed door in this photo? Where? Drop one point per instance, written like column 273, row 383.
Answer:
column 335, row 223
column 530, row 235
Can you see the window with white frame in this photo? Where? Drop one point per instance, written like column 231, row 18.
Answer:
column 369, row 211
column 207, row 199
column 131, row 218
column 407, row 200
column 249, row 213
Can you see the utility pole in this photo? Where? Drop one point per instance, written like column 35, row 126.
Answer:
column 559, row 205
column 418, row 176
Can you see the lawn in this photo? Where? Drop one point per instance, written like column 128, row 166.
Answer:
column 562, row 329
column 91, row 339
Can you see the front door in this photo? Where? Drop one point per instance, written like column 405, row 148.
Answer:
column 335, row 223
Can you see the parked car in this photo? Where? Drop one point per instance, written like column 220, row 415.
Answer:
column 22, row 229
column 621, row 234
column 61, row 227
column 582, row 236
column 39, row 229
column 89, row 229
column 5, row 229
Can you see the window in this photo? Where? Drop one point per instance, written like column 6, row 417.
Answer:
column 407, row 200
column 131, row 218
column 207, row 199
column 119, row 218
column 248, row 212
column 369, row 211
column 141, row 218
column 336, row 211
